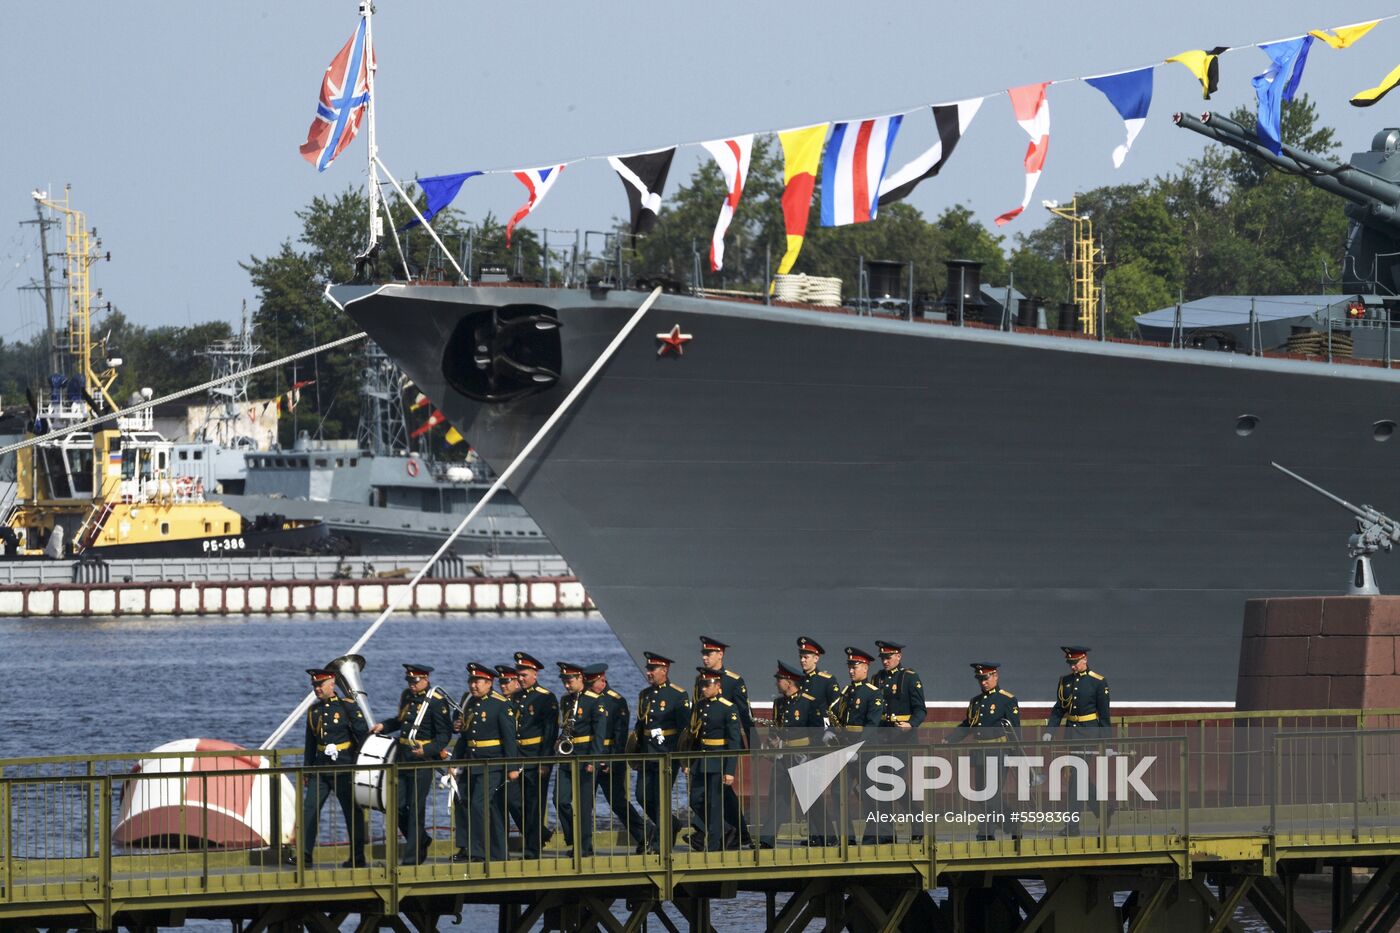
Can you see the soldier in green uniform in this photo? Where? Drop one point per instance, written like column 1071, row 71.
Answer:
column 733, row 689
column 993, row 723
column 798, row 720
column 614, row 778
column 905, row 709
column 510, row 688
column 335, row 727
column 663, row 713
column 425, row 729
column 486, row 744
column 538, row 727
column 715, row 729
column 1081, row 709
column 819, row 683
column 861, row 706
column 577, row 719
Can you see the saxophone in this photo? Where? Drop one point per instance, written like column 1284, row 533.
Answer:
column 568, row 725
column 691, row 739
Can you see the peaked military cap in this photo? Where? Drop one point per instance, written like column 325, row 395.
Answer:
column 595, row 670
column 568, row 669
column 854, row 655
column 711, row 644
column 477, row 671
column 888, row 647
column 319, row 674
column 656, row 660
column 506, row 672
column 789, row 673
column 704, row 673
column 985, row 667
column 805, row 644
column 525, row 660
column 417, row 670
column 1074, row 652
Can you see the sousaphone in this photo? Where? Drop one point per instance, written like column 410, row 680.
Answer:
column 377, row 750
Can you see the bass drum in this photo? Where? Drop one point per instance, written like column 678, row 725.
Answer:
column 376, row 751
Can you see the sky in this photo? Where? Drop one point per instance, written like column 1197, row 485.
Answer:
column 177, row 122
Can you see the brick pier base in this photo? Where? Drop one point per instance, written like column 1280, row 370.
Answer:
column 1320, row 652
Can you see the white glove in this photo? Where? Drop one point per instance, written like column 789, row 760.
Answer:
column 332, row 752
column 1047, row 737
column 445, row 780
column 656, row 734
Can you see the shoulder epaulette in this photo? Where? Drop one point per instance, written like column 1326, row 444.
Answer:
column 675, row 688
column 825, row 674
column 808, row 696
column 729, row 673
column 614, row 693
column 1094, row 674
column 724, row 701
column 1006, row 694
column 497, row 696
column 590, row 693
column 538, row 689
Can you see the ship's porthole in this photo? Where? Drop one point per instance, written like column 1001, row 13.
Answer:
column 1245, row 425
column 1382, row 430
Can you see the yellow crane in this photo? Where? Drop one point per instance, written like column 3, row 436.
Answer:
column 1088, row 257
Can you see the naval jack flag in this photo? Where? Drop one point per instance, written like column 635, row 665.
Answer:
column 344, row 100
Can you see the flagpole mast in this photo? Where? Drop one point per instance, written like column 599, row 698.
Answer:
column 375, row 224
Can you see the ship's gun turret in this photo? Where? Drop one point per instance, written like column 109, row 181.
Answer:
column 1375, row 531
column 1369, row 181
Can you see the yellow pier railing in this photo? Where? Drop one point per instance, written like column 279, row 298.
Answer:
column 1179, row 824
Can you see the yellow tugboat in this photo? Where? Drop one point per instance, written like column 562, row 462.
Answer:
column 111, row 491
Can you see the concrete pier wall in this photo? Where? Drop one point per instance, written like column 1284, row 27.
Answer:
column 232, row 597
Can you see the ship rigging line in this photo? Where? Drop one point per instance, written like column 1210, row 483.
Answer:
column 507, row 473
column 202, row 387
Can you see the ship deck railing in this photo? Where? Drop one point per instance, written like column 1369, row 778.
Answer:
column 93, row 834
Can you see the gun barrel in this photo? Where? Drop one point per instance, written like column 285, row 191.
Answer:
column 1367, row 514
column 1377, row 195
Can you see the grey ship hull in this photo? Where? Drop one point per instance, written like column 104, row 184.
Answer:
column 975, row 495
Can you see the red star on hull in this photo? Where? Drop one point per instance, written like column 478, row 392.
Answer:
column 675, row 340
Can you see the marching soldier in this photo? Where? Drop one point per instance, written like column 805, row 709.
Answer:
column 993, row 721
column 488, row 735
column 614, row 778
column 798, row 718
column 425, row 728
column 733, row 689
column 817, row 682
column 509, row 678
column 715, row 728
column 335, row 727
column 1081, row 696
column 538, row 726
column 904, row 692
column 861, row 706
column 577, row 717
column 1081, row 709
column 663, row 713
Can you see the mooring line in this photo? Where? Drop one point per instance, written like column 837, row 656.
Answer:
column 202, row 387
column 403, row 593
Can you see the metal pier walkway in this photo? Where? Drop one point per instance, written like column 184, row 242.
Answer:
column 1243, row 806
